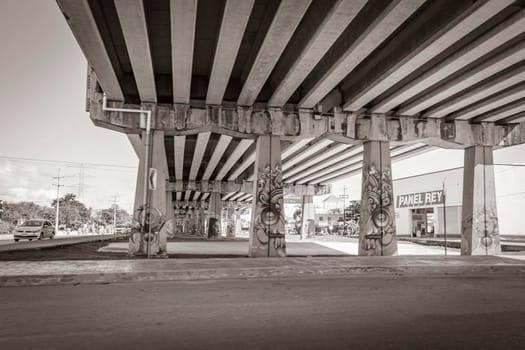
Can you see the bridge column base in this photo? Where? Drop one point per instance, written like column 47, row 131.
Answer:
column 231, row 221
column 214, row 215
column 156, row 198
column 267, row 225
column 377, row 229
column 479, row 218
column 307, row 217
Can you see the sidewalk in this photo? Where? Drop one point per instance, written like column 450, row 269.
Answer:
column 29, row 273
column 507, row 245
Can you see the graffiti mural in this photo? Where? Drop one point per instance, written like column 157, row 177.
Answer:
column 482, row 228
column 379, row 231
column 269, row 218
column 149, row 227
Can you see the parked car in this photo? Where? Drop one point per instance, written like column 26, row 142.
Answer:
column 34, row 229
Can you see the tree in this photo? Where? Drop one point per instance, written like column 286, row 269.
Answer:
column 105, row 216
column 72, row 212
column 12, row 214
column 353, row 211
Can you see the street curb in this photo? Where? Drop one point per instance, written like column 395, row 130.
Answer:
column 259, row 272
column 57, row 243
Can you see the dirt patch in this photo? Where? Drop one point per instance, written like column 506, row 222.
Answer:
column 89, row 251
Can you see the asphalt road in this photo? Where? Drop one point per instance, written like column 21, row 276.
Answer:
column 322, row 313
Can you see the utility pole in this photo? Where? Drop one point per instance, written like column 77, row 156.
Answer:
column 445, row 216
column 344, row 196
column 115, row 202
column 58, row 185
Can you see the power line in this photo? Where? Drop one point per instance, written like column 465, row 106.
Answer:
column 67, row 163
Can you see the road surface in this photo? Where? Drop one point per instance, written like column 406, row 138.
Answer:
column 310, row 313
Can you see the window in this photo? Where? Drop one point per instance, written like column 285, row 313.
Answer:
column 321, row 218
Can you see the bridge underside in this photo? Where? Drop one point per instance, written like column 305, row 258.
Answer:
column 251, row 100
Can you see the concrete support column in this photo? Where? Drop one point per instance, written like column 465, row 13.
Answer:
column 200, row 221
column 307, row 217
column 214, row 215
column 238, row 226
column 231, row 222
column 139, row 185
column 267, row 224
column 156, row 199
column 191, row 221
column 479, row 218
column 377, row 229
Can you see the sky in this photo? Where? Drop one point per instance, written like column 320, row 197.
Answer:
column 42, row 94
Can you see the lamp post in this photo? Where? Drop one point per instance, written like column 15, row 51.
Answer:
column 445, row 217
column 344, row 196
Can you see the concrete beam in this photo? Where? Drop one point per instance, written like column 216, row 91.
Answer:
column 179, row 142
column 226, row 196
column 236, row 196
column 495, row 101
column 463, row 98
column 234, row 21
column 133, row 22
column 348, row 128
column 80, row 19
column 358, row 169
column 349, row 165
column 247, row 162
column 200, row 148
column 337, row 19
column 503, row 112
column 229, row 188
column 196, row 195
column 426, row 40
column 183, row 17
column 483, row 45
column 294, row 147
column 326, row 170
column 319, row 157
column 241, row 148
column 314, row 147
column 219, row 150
column 180, row 204
column 354, row 50
column 516, row 118
column 284, row 23
column 326, row 163
column 136, row 143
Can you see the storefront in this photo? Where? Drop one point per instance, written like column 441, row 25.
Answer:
column 421, row 200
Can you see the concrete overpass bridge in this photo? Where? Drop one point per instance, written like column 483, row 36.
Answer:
column 250, row 99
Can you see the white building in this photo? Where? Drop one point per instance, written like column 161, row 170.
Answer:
column 419, row 202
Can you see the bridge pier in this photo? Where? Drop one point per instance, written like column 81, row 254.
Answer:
column 479, row 218
column 267, row 225
column 157, row 198
column 307, row 217
column 231, row 221
column 377, row 228
column 214, row 215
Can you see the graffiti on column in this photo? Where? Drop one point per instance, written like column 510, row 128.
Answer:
column 381, row 228
column 214, row 229
column 485, row 232
column 270, row 221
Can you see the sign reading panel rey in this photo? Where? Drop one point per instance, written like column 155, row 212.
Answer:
column 420, row 199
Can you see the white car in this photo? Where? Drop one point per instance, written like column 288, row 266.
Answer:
column 34, row 229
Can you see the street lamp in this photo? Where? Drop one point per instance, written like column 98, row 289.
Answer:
column 344, row 197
